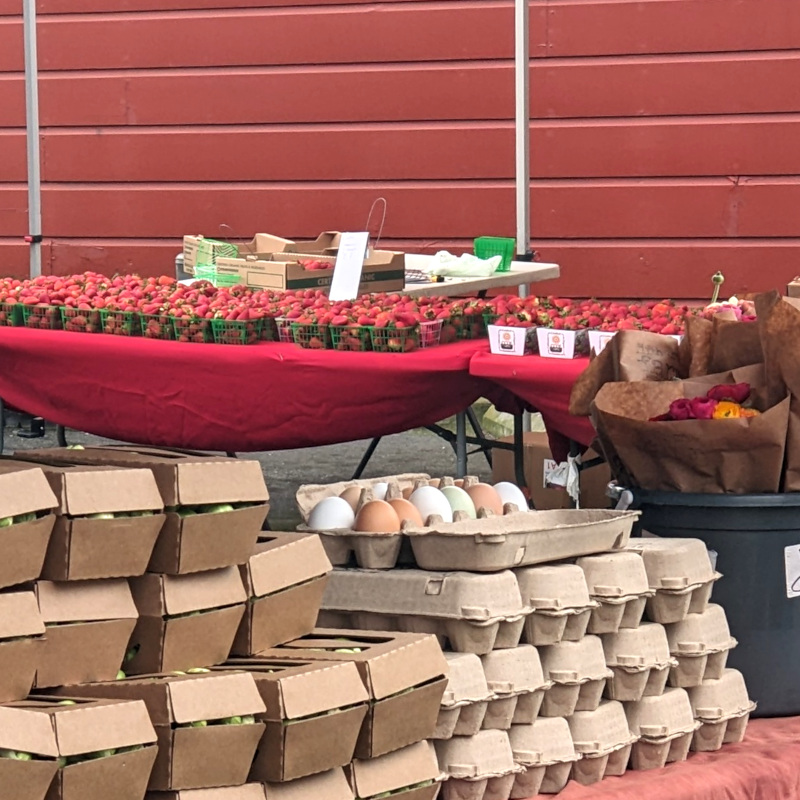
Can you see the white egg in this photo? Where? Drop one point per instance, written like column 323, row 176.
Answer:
column 429, row 501
column 459, row 500
column 332, row 513
column 511, row 493
column 379, row 490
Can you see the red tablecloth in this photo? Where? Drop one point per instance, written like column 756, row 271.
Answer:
column 766, row 766
column 214, row 397
column 544, row 384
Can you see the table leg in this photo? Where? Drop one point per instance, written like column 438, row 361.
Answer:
column 61, row 436
column 373, row 445
column 519, row 453
column 461, row 444
column 478, row 431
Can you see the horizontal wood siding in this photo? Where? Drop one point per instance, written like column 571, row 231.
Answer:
column 663, row 132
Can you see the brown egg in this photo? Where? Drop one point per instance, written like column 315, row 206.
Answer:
column 377, row 516
column 484, row 496
column 434, row 482
column 351, row 495
column 406, row 511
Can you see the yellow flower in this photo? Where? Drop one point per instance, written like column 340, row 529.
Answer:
column 727, row 410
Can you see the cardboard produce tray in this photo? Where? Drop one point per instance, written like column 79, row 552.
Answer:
column 681, row 574
column 465, row 699
column 519, row 539
column 640, row 661
column 479, row 767
column 665, row 725
column 559, row 597
column 545, row 751
column 21, row 642
column 474, row 612
column 412, row 773
column 331, row 785
column 722, row 707
column 701, row 644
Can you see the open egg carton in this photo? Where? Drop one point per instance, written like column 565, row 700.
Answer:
column 473, row 612
column 722, row 708
column 516, row 680
column 665, row 725
column 465, row 699
column 680, row 573
column 479, row 767
column 701, row 644
column 459, row 524
column 578, row 673
column 604, row 741
column 560, row 600
column 618, row 583
column 640, row 661
column 545, row 751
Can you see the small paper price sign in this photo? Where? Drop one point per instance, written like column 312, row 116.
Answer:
column 348, row 266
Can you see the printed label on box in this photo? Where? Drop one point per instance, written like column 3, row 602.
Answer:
column 598, row 340
column 791, row 557
column 507, row 340
column 556, row 343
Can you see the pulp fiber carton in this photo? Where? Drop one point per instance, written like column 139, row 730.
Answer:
column 465, row 699
column 88, row 625
column 723, row 708
column 331, row 785
column 185, row 621
column 207, row 736
column 247, row 791
column 284, row 581
column 215, row 506
column 516, row 679
column 474, row 612
column 314, row 715
column 88, row 749
column 405, row 675
column 21, row 643
column 107, row 521
column 545, row 751
column 412, row 772
column 26, row 522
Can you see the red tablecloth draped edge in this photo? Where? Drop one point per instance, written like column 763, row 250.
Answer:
column 214, row 397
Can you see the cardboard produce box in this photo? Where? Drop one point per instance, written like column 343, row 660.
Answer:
column 215, row 506
column 96, row 506
column 248, row 791
column 21, row 640
column 284, row 581
column 412, row 772
column 88, row 625
column 405, row 675
column 87, row 749
column 207, row 734
column 26, row 522
column 331, row 785
column 185, row 621
column 314, row 715
column 215, row 249
column 536, row 450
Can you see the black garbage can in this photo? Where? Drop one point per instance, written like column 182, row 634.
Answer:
column 757, row 540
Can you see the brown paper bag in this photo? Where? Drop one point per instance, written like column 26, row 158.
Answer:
column 705, row 456
column 696, row 347
column 734, row 344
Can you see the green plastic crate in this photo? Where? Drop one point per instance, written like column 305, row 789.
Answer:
column 395, row 340
column 351, row 338
column 236, row 331
column 10, row 314
column 488, row 246
column 45, row 317
column 156, row 326
column 193, row 329
column 312, row 336
column 79, row 320
column 119, row 323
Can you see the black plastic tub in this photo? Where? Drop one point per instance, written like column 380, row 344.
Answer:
column 755, row 537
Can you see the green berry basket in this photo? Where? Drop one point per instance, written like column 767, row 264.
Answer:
column 193, row 329
column 78, row 320
column 234, row 331
column 41, row 316
column 269, row 329
column 119, row 323
column 283, row 330
column 469, row 326
column 395, row 340
column 312, row 336
column 157, row 326
column 10, row 314
column 351, row 338
column 489, row 246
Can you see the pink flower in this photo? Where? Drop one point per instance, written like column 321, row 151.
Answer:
column 734, row 392
column 702, row 407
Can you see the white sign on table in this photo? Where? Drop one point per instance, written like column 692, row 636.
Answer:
column 348, row 266
column 791, row 556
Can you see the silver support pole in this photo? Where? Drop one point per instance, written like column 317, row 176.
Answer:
column 32, row 122
column 521, row 79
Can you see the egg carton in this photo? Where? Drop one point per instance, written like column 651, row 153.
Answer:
column 560, row 600
column 545, row 751
column 640, row 661
column 578, row 672
column 722, row 707
column 665, row 725
column 516, row 680
column 479, row 767
column 474, row 613
column 465, row 699
column 701, row 644
column 604, row 741
column 370, row 550
column 681, row 574
column 618, row 583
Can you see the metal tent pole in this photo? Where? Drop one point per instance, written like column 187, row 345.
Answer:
column 34, row 237
column 521, row 78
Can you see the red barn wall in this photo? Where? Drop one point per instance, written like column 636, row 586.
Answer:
column 663, row 135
